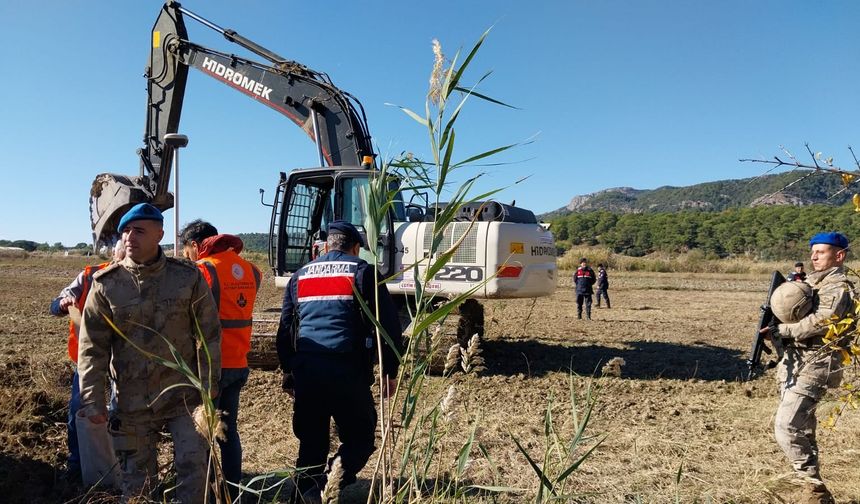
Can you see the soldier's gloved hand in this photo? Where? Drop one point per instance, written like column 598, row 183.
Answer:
column 288, row 384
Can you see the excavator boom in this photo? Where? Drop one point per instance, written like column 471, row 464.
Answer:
column 333, row 119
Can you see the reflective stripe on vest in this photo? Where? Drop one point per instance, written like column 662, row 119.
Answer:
column 326, row 281
column 328, row 318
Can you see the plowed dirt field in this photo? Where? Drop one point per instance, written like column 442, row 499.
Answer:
column 680, row 424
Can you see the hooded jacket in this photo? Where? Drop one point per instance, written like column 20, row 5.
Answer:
column 234, row 283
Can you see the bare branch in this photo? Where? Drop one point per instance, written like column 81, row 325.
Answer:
column 811, row 155
column 856, row 163
column 779, row 162
column 801, row 179
column 849, row 177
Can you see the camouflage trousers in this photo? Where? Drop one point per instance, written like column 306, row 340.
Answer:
column 135, row 439
column 804, row 376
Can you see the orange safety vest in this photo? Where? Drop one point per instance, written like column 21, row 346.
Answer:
column 87, row 282
column 234, row 283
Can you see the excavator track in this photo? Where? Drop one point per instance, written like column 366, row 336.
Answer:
column 264, row 354
column 457, row 328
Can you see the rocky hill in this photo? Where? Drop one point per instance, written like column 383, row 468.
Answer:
column 776, row 189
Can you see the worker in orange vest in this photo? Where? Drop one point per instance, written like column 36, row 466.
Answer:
column 73, row 297
column 234, row 283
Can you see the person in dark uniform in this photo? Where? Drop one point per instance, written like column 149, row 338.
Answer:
column 602, row 285
column 584, row 279
column 326, row 346
column 798, row 275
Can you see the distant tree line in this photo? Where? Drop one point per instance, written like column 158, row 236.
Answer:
column 767, row 232
column 31, row 246
column 255, row 242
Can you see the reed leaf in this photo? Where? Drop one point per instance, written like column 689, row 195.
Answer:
column 545, row 482
column 465, row 450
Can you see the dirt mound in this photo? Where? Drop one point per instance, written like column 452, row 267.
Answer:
column 33, row 409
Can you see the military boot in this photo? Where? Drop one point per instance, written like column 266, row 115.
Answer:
column 814, row 493
column 588, row 313
column 312, row 496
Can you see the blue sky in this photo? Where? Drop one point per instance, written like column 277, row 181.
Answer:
column 615, row 93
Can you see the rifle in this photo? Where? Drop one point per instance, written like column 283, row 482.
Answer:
column 766, row 319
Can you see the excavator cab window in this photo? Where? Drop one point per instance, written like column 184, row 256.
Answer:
column 306, row 209
column 314, row 198
column 351, row 205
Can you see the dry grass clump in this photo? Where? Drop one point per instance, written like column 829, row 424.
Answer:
column 12, row 252
column 694, row 261
column 331, row 492
column 471, row 356
column 446, row 407
column 452, row 358
column 202, row 421
column 613, row 367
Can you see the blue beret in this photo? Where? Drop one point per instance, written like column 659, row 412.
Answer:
column 835, row 239
column 346, row 228
column 141, row 211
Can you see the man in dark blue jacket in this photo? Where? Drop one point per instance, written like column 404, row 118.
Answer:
column 326, row 347
column 583, row 279
column 602, row 285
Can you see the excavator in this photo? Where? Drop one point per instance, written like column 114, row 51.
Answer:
column 503, row 252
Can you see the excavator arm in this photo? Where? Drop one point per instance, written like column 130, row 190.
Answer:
column 332, row 118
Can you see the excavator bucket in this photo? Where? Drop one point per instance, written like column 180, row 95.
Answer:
column 111, row 196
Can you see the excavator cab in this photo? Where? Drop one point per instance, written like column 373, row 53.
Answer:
column 309, row 199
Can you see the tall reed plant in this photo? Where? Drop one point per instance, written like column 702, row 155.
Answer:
column 415, row 461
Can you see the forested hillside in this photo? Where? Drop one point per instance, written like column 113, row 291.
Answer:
column 767, row 232
column 255, row 242
column 715, row 196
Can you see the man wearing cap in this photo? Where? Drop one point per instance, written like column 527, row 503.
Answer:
column 583, row 280
column 798, row 275
column 152, row 300
column 325, row 346
column 805, row 371
column 234, row 283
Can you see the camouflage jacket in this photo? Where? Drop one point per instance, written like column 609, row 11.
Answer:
column 833, row 296
column 148, row 304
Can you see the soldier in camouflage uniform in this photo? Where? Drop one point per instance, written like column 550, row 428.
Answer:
column 150, row 298
column 805, row 371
